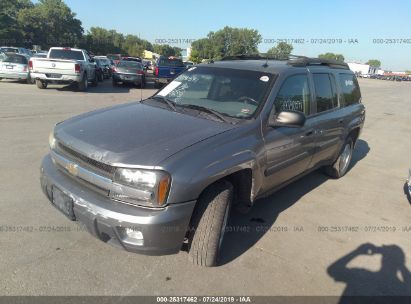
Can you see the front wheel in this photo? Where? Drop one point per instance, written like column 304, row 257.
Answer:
column 41, row 84
column 341, row 165
column 208, row 224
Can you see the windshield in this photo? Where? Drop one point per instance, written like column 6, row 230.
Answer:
column 9, row 50
column 231, row 92
column 66, row 54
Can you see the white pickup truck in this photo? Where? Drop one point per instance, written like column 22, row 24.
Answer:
column 64, row 65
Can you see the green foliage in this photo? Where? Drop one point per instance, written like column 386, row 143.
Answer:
column 226, row 42
column 10, row 30
column 374, row 63
column 166, row 50
column 50, row 23
column 338, row 57
column 281, row 51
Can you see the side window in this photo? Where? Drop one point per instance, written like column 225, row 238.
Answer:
column 294, row 95
column 350, row 89
column 326, row 97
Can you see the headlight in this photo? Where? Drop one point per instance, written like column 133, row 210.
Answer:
column 141, row 187
column 52, row 140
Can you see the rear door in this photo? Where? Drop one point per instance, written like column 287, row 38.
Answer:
column 289, row 150
column 328, row 120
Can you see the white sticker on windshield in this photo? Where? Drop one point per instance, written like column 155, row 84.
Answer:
column 265, row 78
column 170, row 87
column 192, row 69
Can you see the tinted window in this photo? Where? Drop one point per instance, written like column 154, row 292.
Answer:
column 15, row 59
column 130, row 64
column 113, row 57
column 66, row 54
column 9, row 50
column 294, row 95
column 325, row 97
column 350, row 89
column 170, row 62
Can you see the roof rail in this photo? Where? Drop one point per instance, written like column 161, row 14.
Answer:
column 301, row 61
column 293, row 60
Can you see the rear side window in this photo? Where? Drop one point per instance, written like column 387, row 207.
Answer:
column 350, row 89
column 326, row 97
column 15, row 59
column 294, row 95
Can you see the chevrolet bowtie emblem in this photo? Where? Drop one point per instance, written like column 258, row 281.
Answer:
column 72, row 169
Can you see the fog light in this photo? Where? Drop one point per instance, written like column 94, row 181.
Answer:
column 133, row 236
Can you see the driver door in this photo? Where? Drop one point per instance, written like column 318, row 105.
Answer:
column 289, row 150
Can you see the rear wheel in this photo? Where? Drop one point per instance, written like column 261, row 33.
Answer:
column 83, row 85
column 41, row 84
column 341, row 165
column 209, row 221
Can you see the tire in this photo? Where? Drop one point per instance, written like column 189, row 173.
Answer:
column 341, row 165
column 83, row 85
column 94, row 82
column 208, row 224
column 101, row 77
column 41, row 84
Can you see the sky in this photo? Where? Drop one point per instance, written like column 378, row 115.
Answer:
column 372, row 27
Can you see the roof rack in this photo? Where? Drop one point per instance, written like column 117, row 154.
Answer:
column 293, row 60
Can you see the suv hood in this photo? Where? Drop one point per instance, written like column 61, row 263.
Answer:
column 134, row 134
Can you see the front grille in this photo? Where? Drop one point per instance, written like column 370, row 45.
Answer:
column 87, row 162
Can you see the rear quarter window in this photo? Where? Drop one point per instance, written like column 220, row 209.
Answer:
column 350, row 89
column 170, row 62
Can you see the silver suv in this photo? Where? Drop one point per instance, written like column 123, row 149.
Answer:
column 152, row 175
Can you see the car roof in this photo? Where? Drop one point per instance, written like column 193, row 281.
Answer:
column 275, row 66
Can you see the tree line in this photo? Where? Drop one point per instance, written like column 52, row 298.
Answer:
column 52, row 23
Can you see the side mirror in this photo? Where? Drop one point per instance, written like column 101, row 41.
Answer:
column 92, row 60
column 291, row 119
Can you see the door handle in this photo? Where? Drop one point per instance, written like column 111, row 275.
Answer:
column 309, row 132
column 341, row 120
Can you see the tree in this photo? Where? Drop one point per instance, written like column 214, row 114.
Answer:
column 227, row 42
column 332, row 56
column 374, row 63
column 166, row 50
column 10, row 30
column 281, row 51
column 50, row 23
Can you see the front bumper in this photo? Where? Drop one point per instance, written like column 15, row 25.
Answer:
column 163, row 230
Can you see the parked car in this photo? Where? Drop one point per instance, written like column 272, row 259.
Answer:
column 151, row 175
column 17, row 50
column 166, row 69
column 129, row 72
column 107, row 66
column 115, row 57
column 99, row 69
column 40, row 55
column 14, row 66
column 64, row 65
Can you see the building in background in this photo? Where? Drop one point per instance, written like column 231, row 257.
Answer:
column 364, row 69
column 185, row 54
column 150, row 55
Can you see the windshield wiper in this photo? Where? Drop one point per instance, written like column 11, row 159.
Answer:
column 165, row 100
column 204, row 109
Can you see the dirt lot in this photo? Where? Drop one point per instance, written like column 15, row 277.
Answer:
column 283, row 247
